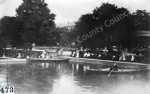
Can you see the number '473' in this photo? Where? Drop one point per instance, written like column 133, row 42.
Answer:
column 6, row 90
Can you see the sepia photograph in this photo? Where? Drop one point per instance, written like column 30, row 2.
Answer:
column 74, row 47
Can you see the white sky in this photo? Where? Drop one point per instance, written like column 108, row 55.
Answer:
column 71, row 10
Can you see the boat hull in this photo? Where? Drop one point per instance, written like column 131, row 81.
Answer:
column 123, row 71
column 49, row 60
column 4, row 57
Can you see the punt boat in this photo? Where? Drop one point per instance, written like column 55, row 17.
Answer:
column 49, row 60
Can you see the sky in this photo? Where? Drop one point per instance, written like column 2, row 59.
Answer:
column 68, row 11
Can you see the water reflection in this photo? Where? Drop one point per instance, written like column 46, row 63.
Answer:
column 65, row 78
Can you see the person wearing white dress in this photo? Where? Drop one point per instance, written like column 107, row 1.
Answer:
column 43, row 54
column 132, row 58
column 88, row 55
column 124, row 58
column 77, row 54
column 19, row 55
column 85, row 54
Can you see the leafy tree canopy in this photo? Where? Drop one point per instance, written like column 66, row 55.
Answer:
column 38, row 22
column 121, row 25
column 141, row 20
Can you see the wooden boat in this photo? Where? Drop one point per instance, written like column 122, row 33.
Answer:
column 57, row 60
column 107, row 70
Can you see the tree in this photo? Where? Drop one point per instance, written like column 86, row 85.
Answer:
column 115, row 34
column 11, row 31
column 62, row 35
column 7, row 28
column 141, row 20
column 38, row 22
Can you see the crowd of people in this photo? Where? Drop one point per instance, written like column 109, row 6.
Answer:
column 114, row 53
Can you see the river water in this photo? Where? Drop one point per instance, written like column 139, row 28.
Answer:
column 64, row 78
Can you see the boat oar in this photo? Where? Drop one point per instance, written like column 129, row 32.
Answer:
column 110, row 72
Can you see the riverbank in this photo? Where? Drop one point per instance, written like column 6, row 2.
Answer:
column 86, row 61
column 13, row 53
column 12, row 61
column 82, row 61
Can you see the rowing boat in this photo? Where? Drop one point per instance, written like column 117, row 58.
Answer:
column 107, row 70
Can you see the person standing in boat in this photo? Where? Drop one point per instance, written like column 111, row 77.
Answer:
column 114, row 67
column 43, row 54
